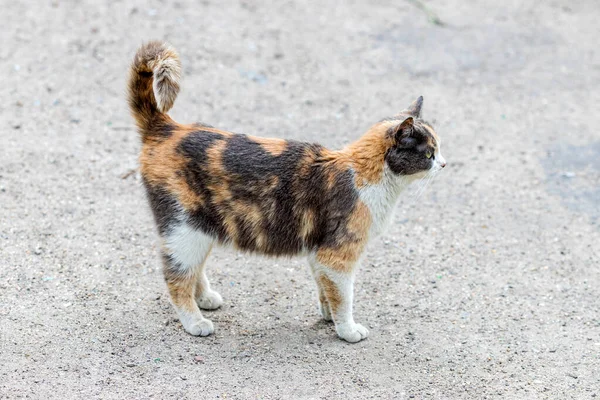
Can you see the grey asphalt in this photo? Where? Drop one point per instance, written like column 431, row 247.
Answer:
column 486, row 286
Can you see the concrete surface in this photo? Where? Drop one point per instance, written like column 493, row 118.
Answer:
column 486, row 286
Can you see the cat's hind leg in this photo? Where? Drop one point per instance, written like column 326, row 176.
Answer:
column 206, row 298
column 184, row 253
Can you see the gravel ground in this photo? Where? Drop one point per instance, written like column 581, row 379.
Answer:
column 486, row 286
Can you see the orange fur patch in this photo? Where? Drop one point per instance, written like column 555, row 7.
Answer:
column 331, row 178
column 429, row 129
column 220, row 188
column 215, row 158
column 270, row 185
column 199, row 288
column 253, row 218
column 360, row 221
column 307, row 223
column 273, row 146
column 367, row 154
column 160, row 163
column 322, row 297
column 343, row 258
column 182, row 288
column 231, row 227
column 332, row 294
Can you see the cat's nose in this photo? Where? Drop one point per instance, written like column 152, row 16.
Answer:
column 441, row 160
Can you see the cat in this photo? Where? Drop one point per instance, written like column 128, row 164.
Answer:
column 276, row 197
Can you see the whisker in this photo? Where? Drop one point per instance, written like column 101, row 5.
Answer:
column 423, row 184
column 429, row 178
column 420, row 187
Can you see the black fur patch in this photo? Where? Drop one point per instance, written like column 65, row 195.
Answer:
column 164, row 129
column 172, row 268
column 407, row 157
column 194, row 147
column 163, row 205
column 276, row 186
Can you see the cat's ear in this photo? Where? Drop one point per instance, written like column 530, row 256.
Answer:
column 414, row 109
column 404, row 129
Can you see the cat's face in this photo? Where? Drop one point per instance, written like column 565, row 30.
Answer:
column 416, row 148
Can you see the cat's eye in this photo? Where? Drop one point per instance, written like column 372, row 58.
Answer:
column 428, row 154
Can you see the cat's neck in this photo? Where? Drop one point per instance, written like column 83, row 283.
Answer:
column 367, row 157
column 381, row 198
column 379, row 188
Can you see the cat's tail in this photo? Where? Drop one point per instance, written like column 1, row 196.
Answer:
column 153, row 84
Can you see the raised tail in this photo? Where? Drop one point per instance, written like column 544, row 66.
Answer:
column 153, row 85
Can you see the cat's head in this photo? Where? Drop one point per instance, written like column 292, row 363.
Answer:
column 415, row 147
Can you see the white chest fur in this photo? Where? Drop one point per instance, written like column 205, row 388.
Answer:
column 381, row 198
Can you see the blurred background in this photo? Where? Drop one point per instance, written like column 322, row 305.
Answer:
column 485, row 286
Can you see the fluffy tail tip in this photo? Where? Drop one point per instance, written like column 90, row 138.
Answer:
column 163, row 62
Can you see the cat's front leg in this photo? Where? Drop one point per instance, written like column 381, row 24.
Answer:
column 324, row 305
column 324, row 308
column 337, row 285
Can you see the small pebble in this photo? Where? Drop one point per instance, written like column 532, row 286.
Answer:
column 568, row 174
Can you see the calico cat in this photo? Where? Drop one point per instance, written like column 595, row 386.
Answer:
column 276, row 197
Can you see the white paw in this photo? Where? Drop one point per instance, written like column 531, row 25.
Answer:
column 325, row 311
column 352, row 332
column 203, row 327
column 210, row 300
